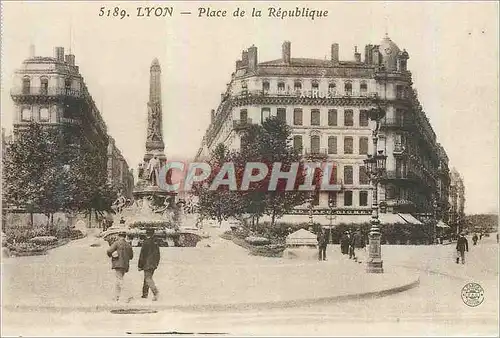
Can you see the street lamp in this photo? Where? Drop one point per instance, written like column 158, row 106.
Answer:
column 331, row 205
column 375, row 169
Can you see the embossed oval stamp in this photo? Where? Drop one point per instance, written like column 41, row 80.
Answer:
column 472, row 294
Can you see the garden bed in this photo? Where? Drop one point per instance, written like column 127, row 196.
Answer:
column 267, row 250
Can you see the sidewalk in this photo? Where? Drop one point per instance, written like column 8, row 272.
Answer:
column 220, row 277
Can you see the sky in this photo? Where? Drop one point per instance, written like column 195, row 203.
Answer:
column 453, row 48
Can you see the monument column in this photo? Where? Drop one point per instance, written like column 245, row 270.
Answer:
column 154, row 138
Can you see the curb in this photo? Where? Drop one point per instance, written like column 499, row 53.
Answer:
column 225, row 307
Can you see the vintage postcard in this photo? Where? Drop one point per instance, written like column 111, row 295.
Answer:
column 249, row 168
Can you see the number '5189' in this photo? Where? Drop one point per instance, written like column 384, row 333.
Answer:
column 116, row 12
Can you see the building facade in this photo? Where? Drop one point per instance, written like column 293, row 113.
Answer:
column 51, row 91
column 119, row 174
column 326, row 102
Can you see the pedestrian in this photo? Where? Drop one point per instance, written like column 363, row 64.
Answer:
column 474, row 239
column 121, row 253
column 462, row 246
column 359, row 245
column 344, row 243
column 322, row 244
column 497, row 237
column 149, row 259
column 351, row 246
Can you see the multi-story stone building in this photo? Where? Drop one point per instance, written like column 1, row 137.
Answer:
column 326, row 102
column 119, row 174
column 51, row 91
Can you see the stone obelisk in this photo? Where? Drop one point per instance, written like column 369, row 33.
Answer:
column 154, row 138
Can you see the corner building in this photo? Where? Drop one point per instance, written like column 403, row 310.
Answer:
column 326, row 103
column 51, row 91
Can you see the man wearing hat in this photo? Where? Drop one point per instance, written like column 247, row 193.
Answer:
column 462, row 246
column 149, row 259
column 121, row 253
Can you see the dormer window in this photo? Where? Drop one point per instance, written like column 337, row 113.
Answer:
column 315, row 86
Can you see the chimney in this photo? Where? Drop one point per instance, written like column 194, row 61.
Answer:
column 335, row 53
column 70, row 59
column 368, row 54
column 286, row 52
column 357, row 56
column 244, row 58
column 252, row 57
column 32, row 51
column 59, row 53
column 212, row 116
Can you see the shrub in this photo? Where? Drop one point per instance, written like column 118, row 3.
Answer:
column 270, row 250
column 76, row 234
column 44, row 240
column 257, row 240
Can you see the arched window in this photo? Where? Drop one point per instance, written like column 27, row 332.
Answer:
column 44, row 114
column 348, row 88
column 315, row 145
column 26, row 114
column 265, row 86
column 315, row 86
column 363, row 88
column 44, row 86
column 67, row 86
column 297, row 143
column 26, row 85
column 297, row 85
column 331, row 87
column 281, row 86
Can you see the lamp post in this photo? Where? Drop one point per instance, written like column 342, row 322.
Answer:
column 331, row 205
column 434, row 210
column 375, row 169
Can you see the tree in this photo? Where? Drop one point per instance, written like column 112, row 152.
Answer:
column 43, row 173
column 221, row 203
column 33, row 171
column 273, row 145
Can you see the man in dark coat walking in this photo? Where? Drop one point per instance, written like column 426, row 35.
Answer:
column 344, row 243
column 322, row 244
column 149, row 259
column 462, row 246
column 121, row 253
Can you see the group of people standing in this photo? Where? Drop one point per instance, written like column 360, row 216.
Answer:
column 121, row 253
column 352, row 244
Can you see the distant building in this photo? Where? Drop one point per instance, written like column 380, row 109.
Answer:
column 51, row 91
column 119, row 174
column 326, row 102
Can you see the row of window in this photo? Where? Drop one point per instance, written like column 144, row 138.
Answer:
column 27, row 114
column 297, row 85
column 348, row 198
column 281, row 113
column 44, row 85
column 332, row 144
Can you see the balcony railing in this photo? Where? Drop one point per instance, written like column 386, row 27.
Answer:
column 396, row 122
column 239, row 124
column 45, row 91
column 316, row 153
column 305, row 93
